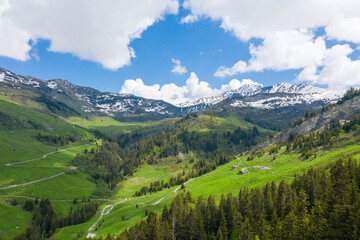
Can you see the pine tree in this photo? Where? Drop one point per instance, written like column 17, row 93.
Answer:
column 317, row 222
column 301, row 223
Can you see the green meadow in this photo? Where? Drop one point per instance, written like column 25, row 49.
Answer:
column 132, row 210
column 22, row 161
column 221, row 181
column 111, row 127
column 53, row 179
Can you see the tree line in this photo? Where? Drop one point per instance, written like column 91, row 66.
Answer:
column 56, row 140
column 320, row 204
column 45, row 220
column 105, row 166
column 172, row 140
column 200, row 168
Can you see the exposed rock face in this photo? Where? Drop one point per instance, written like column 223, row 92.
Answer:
column 342, row 112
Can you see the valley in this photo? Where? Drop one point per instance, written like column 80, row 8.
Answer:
column 134, row 165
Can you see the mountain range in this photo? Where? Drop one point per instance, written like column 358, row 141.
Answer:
column 70, row 99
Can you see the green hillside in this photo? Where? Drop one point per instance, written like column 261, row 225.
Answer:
column 25, row 160
column 131, row 169
column 283, row 165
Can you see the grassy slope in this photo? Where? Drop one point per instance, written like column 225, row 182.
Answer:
column 204, row 122
column 221, row 181
column 111, row 127
column 67, row 187
column 114, row 222
column 285, row 166
column 14, row 220
column 63, row 189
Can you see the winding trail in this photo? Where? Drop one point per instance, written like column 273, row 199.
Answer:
column 47, row 154
column 176, row 189
column 105, row 211
column 158, row 201
column 35, row 181
column 53, row 200
column 41, row 179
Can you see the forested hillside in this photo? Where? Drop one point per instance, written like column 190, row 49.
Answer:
column 68, row 174
column 320, row 204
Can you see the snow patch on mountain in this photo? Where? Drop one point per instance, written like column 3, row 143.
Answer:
column 247, row 88
column 204, row 100
column 52, row 84
column 2, row 76
column 298, row 94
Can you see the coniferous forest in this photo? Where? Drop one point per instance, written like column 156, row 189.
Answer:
column 322, row 203
column 46, row 221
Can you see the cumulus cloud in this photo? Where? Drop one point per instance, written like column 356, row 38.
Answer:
column 286, row 30
column 95, row 30
column 261, row 18
column 189, row 19
column 178, row 68
column 346, row 29
column 338, row 71
column 281, row 51
column 193, row 89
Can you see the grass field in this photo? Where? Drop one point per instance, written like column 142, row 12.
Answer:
column 125, row 210
column 14, row 220
column 18, row 127
column 111, row 127
column 221, row 181
column 132, row 210
column 205, row 122
column 61, row 190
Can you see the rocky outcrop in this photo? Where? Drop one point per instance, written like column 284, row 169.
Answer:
column 342, row 112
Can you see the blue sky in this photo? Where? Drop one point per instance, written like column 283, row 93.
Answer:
column 216, row 46
column 201, row 46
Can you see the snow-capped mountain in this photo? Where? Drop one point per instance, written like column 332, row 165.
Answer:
column 246, row 89
column 89, row 100
column 61, row 94
column 285, row 94
column 291, row 95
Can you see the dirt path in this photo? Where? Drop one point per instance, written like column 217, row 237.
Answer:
column 47, row 154
column 159, row 201
column 106, row 210
column 184, row 184
column 54, row 200
column 35, row 181
column 42, row 179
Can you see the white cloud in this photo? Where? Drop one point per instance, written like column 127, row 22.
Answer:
column 339, row 71
column 177, row 67
column 95, row 30
column 281, row 51
column 347, row 29
column 193, row 89
column 286, row 30
column 261, row 18
column 189, row 19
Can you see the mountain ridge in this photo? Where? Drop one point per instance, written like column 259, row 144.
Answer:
column 311, row 93
column 128, row 107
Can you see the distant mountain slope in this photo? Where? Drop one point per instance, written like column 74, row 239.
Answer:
column 88, row 100
column 298, row 94
column 270, row 107
column 343, row 112
column 275, row 107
